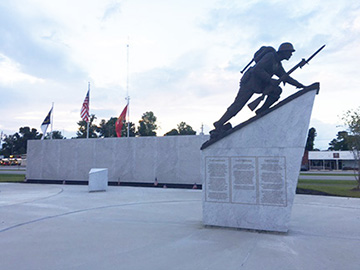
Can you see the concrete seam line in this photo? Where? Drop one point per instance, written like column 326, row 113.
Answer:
column 85, row 210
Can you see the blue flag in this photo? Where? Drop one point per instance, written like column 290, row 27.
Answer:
column 46, row 123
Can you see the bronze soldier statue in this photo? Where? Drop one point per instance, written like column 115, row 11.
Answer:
column 258, row 79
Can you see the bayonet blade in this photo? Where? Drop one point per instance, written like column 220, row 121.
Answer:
column 315, row 53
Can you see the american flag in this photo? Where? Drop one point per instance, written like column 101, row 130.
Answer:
column 85, row 108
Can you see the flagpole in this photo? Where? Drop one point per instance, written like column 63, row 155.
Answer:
column 127, row 92
column 52, row 121
column 1, row 136
column 87, row 129
column 128, row 124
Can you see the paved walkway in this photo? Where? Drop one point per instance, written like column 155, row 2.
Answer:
column 12, row 170
column 328, row 175
column 65, row 227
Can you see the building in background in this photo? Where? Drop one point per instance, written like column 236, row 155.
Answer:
column 330, row 160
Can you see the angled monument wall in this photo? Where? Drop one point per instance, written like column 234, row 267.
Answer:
column 250, row 174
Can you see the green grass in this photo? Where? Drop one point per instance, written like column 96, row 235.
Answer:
column 329, row 174
column 331, row 187
column 342, row 188
column 14, row 170
column 327, row 182
column 12, row 177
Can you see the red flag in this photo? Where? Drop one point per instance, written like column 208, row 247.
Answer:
column 120, row 121
column 84, row 113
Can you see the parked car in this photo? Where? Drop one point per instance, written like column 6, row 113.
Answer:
column 304, row 168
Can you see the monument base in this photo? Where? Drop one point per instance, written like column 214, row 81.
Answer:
column 250, row 192
column 250, row 174
column 98, row 179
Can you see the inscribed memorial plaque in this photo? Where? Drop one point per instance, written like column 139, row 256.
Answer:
column 272, row 187
column 217, row 179
column 243, row 176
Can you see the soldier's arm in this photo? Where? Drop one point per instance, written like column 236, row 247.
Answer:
column 294, row 82
column 281, row 72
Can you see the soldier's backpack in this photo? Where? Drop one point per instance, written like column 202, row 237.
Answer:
column 260, row 53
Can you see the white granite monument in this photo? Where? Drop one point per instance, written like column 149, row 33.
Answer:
column 98, row 179
column 250, row 173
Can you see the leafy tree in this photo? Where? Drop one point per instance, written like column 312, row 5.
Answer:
column 185, row 129
column 147, row 125
column 182, row 129
column 56, row 135
column 172, row 132
column 107, row 128
column 8, row 147
column 341, row 143
column 310, row 139
column 352, row 120
column 124, row 129
column 16, row 144
column 83, row 128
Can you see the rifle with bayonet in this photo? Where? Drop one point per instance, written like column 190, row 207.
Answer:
column 257, row 101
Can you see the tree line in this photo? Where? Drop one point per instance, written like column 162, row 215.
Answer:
column 16, row 144
column 147, row 127
column 346, row 140
column 343, row 142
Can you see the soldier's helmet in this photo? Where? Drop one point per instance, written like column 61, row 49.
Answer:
column 286, row 46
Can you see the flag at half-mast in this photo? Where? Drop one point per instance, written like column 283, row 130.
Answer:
column 84, row 113
column 46, row 123
column 120, row 121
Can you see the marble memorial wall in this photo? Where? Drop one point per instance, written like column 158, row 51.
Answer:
column 172, row 159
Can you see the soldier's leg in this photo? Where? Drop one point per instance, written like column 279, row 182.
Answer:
column 241, row 99
column 273, row 95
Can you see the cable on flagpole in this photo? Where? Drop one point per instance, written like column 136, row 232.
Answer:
column 88, row 122
column 127, row 90
column 52, row 121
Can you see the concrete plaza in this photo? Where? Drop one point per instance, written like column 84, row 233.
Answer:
column 66, row 227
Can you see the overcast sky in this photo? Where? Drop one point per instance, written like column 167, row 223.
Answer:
column 184, row 58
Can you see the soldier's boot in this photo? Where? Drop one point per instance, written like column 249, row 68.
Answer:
column 226, row 117
column 270, row 100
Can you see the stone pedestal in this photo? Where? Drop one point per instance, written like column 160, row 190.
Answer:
column 250, row 174
column 98, row 179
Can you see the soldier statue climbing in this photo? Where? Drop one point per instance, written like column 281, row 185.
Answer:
column 258, row 79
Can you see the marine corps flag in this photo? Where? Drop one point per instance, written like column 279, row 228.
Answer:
column 120, row 121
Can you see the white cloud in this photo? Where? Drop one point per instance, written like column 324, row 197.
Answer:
column 184, row 57
column 10, row 73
